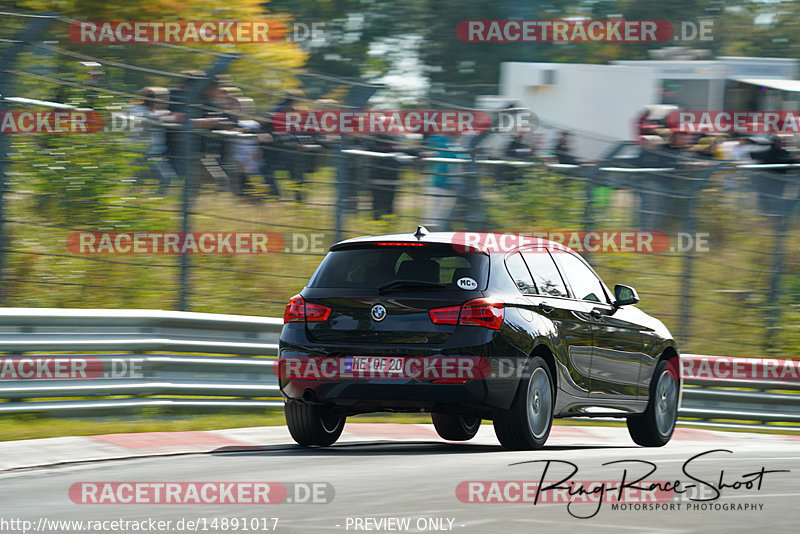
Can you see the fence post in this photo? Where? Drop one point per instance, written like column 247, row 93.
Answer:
column 188, row 154
column 341, row 171
column 690, row 227
column 782, row 223
column 778, row 251
column 38, row 26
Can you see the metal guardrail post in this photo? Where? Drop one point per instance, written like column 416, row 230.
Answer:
column 32, row 32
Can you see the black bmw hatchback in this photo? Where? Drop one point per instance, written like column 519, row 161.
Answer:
column 430, row 322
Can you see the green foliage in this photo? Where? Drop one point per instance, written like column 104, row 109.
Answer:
column 72, row 179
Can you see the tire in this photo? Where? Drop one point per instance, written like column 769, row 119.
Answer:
column 527, row 423
column 313, row 424
column 456, row 427
column 654, row 427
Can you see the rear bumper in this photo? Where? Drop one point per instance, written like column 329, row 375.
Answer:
column 373, row 396
column 435, row 382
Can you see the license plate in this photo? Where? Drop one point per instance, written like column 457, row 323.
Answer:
column 374, row 364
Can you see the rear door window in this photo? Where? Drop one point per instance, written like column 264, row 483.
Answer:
column 519, row 273
column 545, row 273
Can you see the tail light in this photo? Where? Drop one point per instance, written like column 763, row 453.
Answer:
column 445, row 315
column 298, row 311
column 477, row 312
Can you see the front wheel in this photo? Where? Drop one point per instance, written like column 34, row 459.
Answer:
column 526, row 424
column 654, row 427
column 455, row 427
column 313, row 424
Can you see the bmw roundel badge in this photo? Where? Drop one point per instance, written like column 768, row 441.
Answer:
column 378, row 312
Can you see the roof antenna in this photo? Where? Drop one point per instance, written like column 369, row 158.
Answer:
column 421, row 232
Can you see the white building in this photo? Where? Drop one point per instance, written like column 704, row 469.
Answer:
column 600, row 103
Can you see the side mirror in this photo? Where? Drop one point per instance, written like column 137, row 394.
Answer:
column 624, row 295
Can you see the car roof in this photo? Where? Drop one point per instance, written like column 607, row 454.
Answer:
column 486, row 242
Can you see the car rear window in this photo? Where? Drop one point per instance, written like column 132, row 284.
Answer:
column 370, row 266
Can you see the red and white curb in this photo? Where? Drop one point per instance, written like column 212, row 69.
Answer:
column 75, row 449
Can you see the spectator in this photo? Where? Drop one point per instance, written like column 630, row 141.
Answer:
column 284, row 152
column 707, row 148
column 676, row 149
column 245, row 150
column 776, row 153
column 563, row 149
column 442, row 193
column 179, row 106
column 384, row 173
column 518, row 149
column 152, row 109
column 650, row 152
column 651, row 156
column 230, row 113
column 739, row 149
column 645, row 125
column 772, row 189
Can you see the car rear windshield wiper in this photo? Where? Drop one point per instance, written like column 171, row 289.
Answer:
column 399, row 284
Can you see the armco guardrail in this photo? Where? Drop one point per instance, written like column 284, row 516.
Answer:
column 90, row 362
column 740, row 392
column 96, row 361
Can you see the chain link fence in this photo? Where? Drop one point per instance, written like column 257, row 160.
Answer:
column 194, row 151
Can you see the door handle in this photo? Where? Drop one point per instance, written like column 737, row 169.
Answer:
column 545, row 308
column 596, row 314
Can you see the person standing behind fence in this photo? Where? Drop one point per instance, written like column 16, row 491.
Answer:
column 284, row 152
column 772, row 191
column 245, row 152
column 179, row 105
column 152, row 109
column 383, row 174
column 518, row 149
column 563, row 149
column 445, row 180
column 740, row 149
column 651, row 156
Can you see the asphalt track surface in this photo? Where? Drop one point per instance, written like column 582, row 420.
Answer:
column 397, row 473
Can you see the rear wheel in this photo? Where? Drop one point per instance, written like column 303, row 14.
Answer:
column 456, row 427
column 654, row 427
column 526, row 424
column 313, row 424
